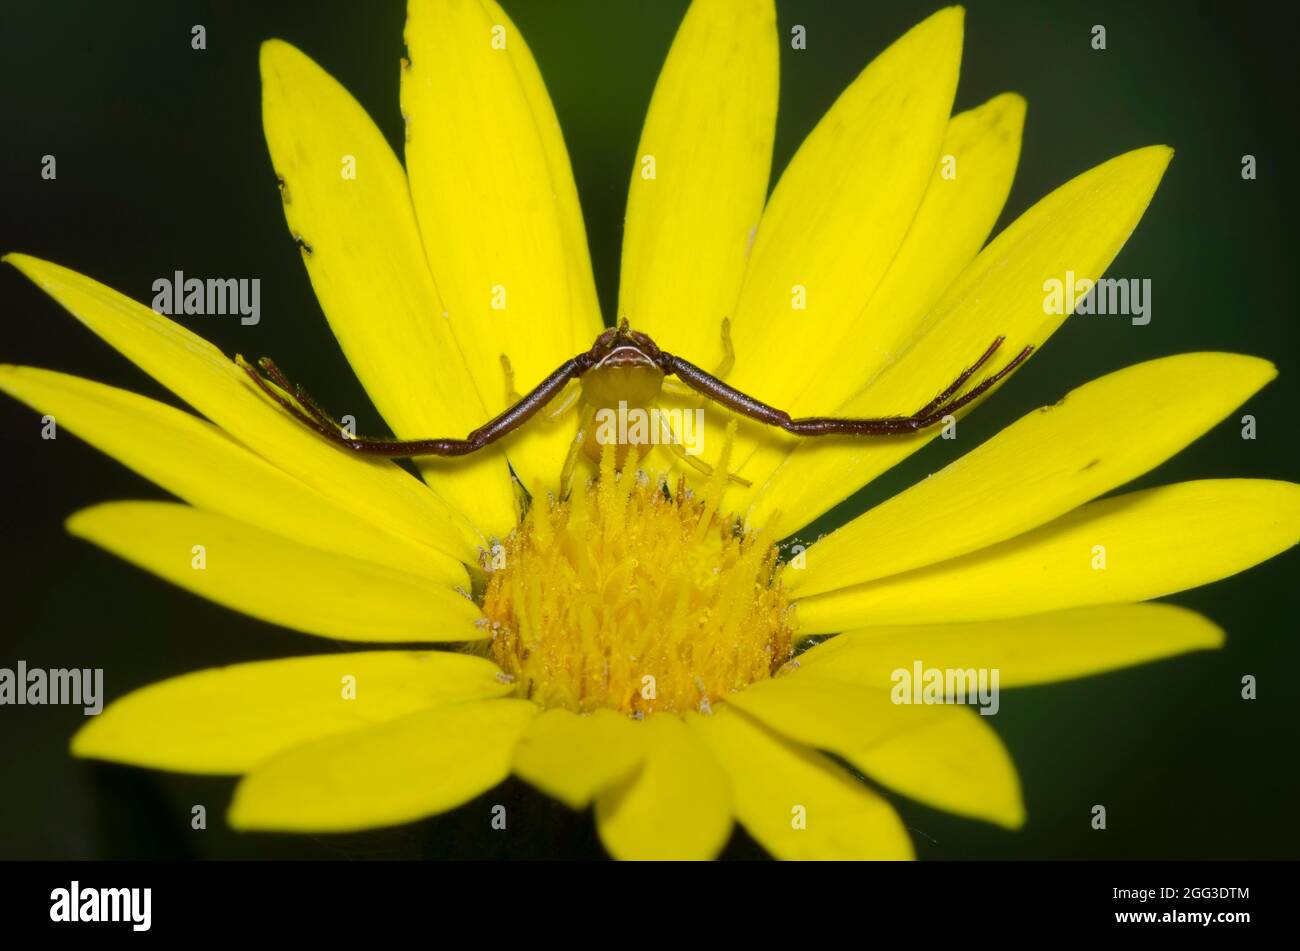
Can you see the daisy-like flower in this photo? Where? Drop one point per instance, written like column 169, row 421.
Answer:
column 638, row 645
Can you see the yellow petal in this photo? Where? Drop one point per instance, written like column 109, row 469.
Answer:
column 385, row 775
column 346, row 197
column 1098, row 437
column 941, row 754
column 574, row 758
column 498, row 210
column 676, row 807
column 951, row 225
column 959, row 209
column 842, row 718
column 955, row 763
column 201, row 375
column 230, row 719
column 1151, row 543
column 1039, row 649
column 797, row 803
column 195, row 460
column 272, row 578
column 839, row 214
column 1080, row 227
column 709, row 136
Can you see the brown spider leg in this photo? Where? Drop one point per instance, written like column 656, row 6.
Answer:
column 976, row 391
column 930, row 414
column 933, row 411
column 747, row 405
column 285, row 397
column 958, row 383
column 296, row 391
column 725, row 365
column 512, row 395
column 494, row 429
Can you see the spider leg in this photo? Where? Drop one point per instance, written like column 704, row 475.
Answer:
column 575, row 449
column 563, row 405
column 958, row 383
column 297, row 392
column 725, row 365
column 674, row 445
column 928, row 415
column 976, row 391
column 728, row 351
column 295, row 403
column 513, row 397
column 306, row 411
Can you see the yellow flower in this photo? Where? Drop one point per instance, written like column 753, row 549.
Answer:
column 637, row 647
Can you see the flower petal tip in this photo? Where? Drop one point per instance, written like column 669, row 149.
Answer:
column 37, row 270
column 1156, row 157
column 76, row 523
column 946, row 26
column 1015, row 819
column 238, row 819
column 19, row 260
column 1260, row 368
column 244, row 815
column 275, row 47
column 1162, row 153
column 83, row 744
column 76, row 747
column 1004, row 114
column 1012, row 103
column 951, row 19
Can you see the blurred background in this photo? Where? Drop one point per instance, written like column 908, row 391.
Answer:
column 162, row 165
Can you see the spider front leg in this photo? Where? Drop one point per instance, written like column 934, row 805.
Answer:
column 945, row 403
column 293, row 399
column 928, row 415
column 724, row 366
column 512, row 395
column 302, row 407
column 297, row 392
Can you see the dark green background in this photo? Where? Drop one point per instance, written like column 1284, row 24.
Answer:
column 162, row 165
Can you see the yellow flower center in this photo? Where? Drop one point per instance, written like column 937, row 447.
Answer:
column 634, row 598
